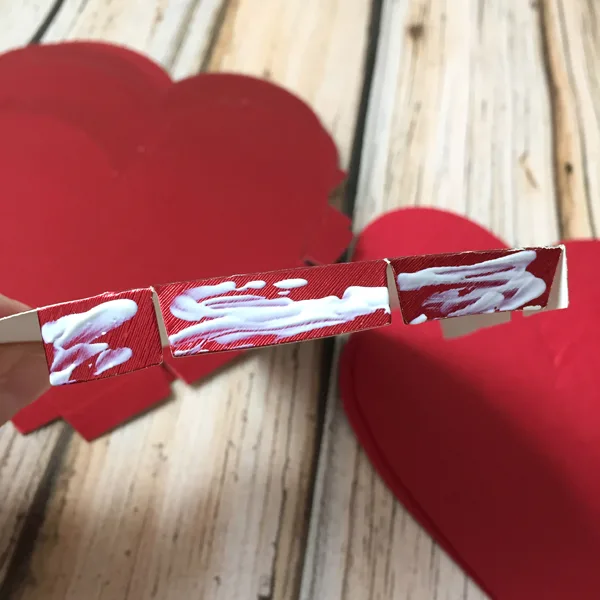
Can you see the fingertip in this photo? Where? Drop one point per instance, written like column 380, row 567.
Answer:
column 23, row 377
column 8, row 306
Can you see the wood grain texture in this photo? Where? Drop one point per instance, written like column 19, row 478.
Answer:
column 207, row 496
column 20, row 23
column 459, row 119
column 313, row 48
column 571, row 33
column 27, row 468
column 176, row 34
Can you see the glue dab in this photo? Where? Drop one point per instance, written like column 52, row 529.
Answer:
column 74, row 339
column 290, row 284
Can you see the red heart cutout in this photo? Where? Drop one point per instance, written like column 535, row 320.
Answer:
column 492, row 440
column 116, row 180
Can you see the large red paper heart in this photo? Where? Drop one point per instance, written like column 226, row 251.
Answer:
column 116, row 178
column 492, row 440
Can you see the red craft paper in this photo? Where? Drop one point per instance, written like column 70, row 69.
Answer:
column 491, row 440
column 261, row 309
column 120, row 398
column 141, row 389
column 114, row 180
column 186, row 367
column 113, row 100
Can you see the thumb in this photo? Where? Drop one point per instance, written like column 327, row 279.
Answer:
column 23, row 368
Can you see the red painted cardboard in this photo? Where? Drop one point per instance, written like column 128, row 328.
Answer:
column 453, row 285
column 262, row 309
column 104, row 336
column 492, row 440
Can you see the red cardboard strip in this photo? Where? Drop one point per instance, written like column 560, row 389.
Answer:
column 98, row 337
column 263, row 309
column 468, row 283
column 117, row 333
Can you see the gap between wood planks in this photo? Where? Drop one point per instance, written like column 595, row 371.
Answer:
column 18, row 565
column 16, row 569
column 41, row 30
column 348, row 204
column 569, row 158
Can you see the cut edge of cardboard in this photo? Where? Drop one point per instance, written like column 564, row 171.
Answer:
column 164, row 338
column 21, row 328
column 558, row 298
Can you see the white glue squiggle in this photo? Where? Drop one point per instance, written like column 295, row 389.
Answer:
column 501, row 284
column 418, row 320
column 220, row 314
column 73, row 337
column 289, row 284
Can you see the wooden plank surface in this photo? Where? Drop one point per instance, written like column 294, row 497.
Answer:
column 177, row 35
column 486, row 108
column 572, row 55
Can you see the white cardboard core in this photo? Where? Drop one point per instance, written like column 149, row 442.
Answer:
column 22, row 327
